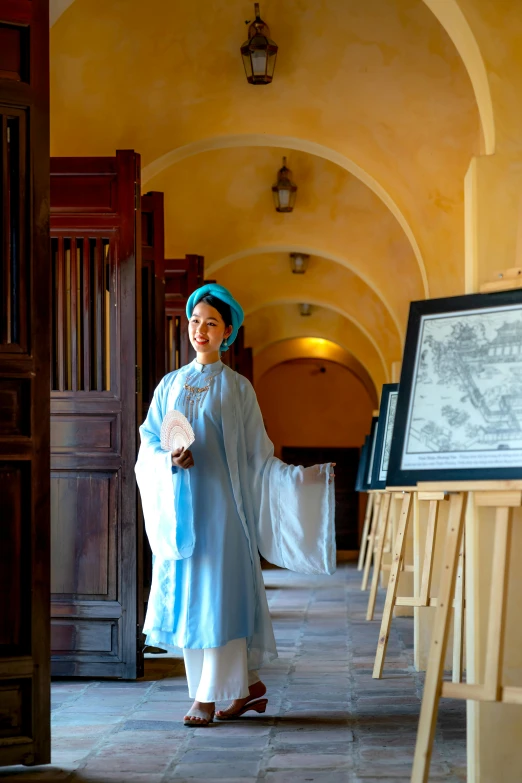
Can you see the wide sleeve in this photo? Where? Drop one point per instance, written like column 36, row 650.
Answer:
column 165, row 494
column 293, row 507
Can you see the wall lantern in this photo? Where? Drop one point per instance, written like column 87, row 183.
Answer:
column 284, row 191
column 259, row 52
column 305, row 309
column 299, row 263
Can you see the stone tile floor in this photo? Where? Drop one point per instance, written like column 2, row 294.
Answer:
column 328, row 721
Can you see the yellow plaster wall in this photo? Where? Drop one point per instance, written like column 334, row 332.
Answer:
column 277, row 324
column 497, row 29
column 335, row 405
column 324, row 350
column 493, row 190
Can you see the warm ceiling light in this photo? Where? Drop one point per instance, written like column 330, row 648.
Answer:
column 284, row 191
column 305, row 309
column 299, row 263
column 259, row 52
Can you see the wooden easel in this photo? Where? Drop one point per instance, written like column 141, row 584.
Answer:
column 379, row 542
column 370, row 542
column 390, row 544
column 425, row 597
column 366, row 528
column 384, row 541
column 503, row 496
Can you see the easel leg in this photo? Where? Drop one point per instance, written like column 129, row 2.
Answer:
column 439, row 642
column 458, row 617
column 366, row 527
column 371, row 541
column 429, row 552
column 388, row 547
column 498, row 605
column 391, row 595
column 381, row 539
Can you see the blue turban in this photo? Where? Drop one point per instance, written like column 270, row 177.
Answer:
column 213, row 289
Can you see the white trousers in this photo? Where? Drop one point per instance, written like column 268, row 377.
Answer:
column 219, row 673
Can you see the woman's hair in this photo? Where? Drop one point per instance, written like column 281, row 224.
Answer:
column 218, row 304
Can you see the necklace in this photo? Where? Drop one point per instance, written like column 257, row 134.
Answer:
column 193, row 397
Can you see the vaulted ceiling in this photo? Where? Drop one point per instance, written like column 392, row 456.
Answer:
column 372, row 103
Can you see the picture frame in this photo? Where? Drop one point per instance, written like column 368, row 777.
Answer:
column 361, row 469
column 459, row 409
column 367, row 481
column 383, row 436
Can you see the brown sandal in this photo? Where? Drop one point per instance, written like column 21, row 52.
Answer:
column 259, row 705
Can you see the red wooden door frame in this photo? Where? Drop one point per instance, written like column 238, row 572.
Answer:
column 153, row 294
column 24, row 382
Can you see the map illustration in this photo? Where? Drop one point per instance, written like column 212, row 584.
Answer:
column 390, row 420
column 466, row 403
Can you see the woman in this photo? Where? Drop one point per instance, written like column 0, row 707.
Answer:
column 208, row 512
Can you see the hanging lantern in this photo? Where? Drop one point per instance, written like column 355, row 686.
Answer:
column 299, row 263
column 259, row 52
column 284, row 191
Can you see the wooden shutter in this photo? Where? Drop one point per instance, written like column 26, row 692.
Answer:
column 182, row 277
column 96, row 297
column 24, row 382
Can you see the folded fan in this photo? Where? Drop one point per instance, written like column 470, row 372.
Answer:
column 176, row 432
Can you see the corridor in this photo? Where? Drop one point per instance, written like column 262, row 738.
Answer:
column 327, row 721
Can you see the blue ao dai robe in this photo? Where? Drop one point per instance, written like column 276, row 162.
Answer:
column 207, row 524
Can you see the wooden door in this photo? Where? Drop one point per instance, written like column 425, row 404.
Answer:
column 240, row 358
column 346, row 498
column 182, row 277
column 24, row 382
column 245, row 365
column 152, row 295
column 95, row 400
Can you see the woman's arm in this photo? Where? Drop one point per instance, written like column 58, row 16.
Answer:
column 293, row 507
column 166, row 498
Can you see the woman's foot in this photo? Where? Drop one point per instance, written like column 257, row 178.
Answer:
column 256, row 691
column 200, row 714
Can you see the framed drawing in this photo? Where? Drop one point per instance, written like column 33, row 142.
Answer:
column 383, row 437
column 459, row 409
column 361, row 470
column 367, row 485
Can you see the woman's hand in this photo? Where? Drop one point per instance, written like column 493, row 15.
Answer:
column 182, row 459
column 315, row 475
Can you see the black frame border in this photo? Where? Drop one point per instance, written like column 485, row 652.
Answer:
column 367, row 485
column 397, row 477
column 361, row 468
column 387, row 389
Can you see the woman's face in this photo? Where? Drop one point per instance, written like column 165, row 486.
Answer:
column 207, row 329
